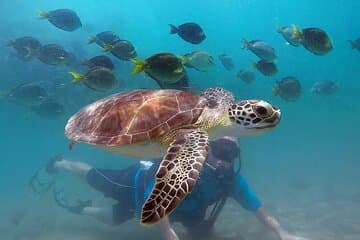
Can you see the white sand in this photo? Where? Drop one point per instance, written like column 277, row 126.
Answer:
column 314, row 212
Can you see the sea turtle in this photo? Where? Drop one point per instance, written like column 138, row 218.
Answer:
column 172, row 124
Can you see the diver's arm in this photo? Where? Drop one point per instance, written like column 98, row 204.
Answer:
column 269, row 221
column 274, row 225
column 244, row 195
column 166, row 229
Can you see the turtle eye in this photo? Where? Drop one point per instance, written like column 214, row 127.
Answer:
column 261, row 110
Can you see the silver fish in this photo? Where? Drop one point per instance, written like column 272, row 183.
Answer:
column 261, row 49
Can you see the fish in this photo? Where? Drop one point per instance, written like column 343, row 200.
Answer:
column 288, row 32
column 99, row 61
column 288, row 88
column 324, row 87
column 50, row 108
column 226, row 61
column 99, row 79
column 261, row 49
column 266, row 68
column 104, row 38
column 26, row 47
column 246, row 75
column 199, row 60
column 53, row 54
column 181, row 84
column 162, row 67
column 315, row 40
column 65, row 19
column 26, row 94
column 355, row 44
column 190, row 32
column 122, row 49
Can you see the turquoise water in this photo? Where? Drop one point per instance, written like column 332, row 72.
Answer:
column 305, row 170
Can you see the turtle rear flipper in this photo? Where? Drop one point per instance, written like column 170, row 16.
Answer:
column 176, row 175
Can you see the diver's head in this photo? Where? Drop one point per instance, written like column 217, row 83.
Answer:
column 223, row 152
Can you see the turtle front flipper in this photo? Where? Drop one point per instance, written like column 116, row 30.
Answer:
column 176, row 175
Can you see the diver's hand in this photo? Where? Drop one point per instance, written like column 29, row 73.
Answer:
column 288, row 236
column 166, row 229
column 171, row 235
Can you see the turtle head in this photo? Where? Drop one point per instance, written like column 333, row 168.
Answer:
column 251, row 117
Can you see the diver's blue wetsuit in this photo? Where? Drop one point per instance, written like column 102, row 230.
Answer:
column 210, row 187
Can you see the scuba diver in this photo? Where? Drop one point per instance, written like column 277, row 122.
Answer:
column 130, row 187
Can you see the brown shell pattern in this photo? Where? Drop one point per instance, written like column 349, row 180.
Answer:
column 136, row 116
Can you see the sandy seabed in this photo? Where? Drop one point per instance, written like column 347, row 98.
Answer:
column 314, row 213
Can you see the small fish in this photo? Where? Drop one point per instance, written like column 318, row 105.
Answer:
column 266, row 68
column 315, row 40
column 190, row 32
column 162, row 67
column 355, row 44
column 199, row 60
column 261, row 49
column 104, row 38
column 288, row 32
column 182, row 84
column 65, row 19
column 226, row 61
column 288, row 88
column 99, row 79
column 53, row 54
column 26, row 47
column 99, row 61
column 122, row 49
column 324, row 87
column 49, row 108
column 26, row 94
column 246, row 75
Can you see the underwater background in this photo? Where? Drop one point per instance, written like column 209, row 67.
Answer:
column 306, row 170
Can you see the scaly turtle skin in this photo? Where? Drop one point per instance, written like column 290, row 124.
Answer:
column 177, row 125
